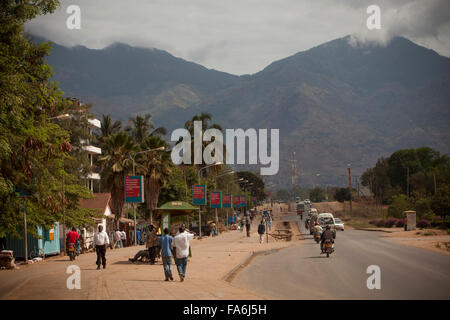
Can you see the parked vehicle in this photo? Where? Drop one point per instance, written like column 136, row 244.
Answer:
column 339, row 224
column 328, row 248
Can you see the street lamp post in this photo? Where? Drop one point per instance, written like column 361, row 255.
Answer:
column 199, row 206
column 133, row 157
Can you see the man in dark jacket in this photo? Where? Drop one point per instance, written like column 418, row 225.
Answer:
column 261, row 231
column 326, row 235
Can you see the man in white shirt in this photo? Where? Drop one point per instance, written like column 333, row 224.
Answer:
column 182, row 242
column 101, row 240
column 117, row 239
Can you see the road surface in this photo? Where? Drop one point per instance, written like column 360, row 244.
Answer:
column 300, row 272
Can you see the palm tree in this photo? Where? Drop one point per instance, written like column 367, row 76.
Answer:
column 108, row 127
column 116, row 164
column 205, row 118
column 156, row 168
column 140, row 127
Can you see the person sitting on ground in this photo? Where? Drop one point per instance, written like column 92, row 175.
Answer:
column 139, row 256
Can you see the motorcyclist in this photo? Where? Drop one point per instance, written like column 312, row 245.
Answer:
column 72, row 237
column 317, row 229
column 326, row 235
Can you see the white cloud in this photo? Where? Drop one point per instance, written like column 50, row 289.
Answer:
column 242, row 36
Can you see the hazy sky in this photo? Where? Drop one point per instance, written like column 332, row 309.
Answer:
column 243, row 36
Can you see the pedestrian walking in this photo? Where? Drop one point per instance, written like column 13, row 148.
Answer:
column 152, row 243
column 182, row 243
column 138, row 236
column 123, row 237
column 117, row 239
column 247, row 226
column 261, row 231
column 165, row 242
column 101, row 240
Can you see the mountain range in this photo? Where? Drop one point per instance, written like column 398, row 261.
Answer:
column 335, row 104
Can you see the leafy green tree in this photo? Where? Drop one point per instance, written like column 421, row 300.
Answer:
column 342, row 194
column 256, row 184
column 317, row 194
column 32, row 147
column 400, row 204
column 440, row 203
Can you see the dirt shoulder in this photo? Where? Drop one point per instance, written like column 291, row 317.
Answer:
column 430, row 239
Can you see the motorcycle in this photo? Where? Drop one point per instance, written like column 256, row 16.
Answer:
column 71, row 251
column 328, row 248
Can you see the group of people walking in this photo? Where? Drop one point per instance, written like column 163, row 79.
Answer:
column 177, row 248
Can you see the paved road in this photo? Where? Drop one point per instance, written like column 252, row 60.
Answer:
column 301, row 272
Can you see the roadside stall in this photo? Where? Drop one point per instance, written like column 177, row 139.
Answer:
column 174, row 213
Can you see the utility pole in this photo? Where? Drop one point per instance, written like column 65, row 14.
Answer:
column 64, row 211
column 25, row 233
column 293, row 173
column 407, row 181
column 434, row 180
column 350, row 185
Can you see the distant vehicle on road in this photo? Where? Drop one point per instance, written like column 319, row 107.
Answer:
column 327, row 219
column 300, row 208
column 339, row 224
column 313, row 211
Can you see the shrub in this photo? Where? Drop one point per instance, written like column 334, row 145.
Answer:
column 423, row 224
column 400, row 223
column 380, row 223
column 374, row 222
column 390, row 222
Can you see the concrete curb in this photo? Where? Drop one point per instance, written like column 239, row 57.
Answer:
column 229, row 277
column 367, row 229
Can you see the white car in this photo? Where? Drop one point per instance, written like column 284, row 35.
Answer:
column 339, row 224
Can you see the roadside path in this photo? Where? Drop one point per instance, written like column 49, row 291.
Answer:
column 212, row 260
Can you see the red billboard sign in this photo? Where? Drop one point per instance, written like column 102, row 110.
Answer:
column 134, row 186
column 199, row 194
column 215, row 199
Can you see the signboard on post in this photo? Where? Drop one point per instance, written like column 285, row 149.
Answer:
column 226, row 202
column 134, row 189
column 199, row 194
column 216, row 199
column 236, row 201
column 243, row 201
